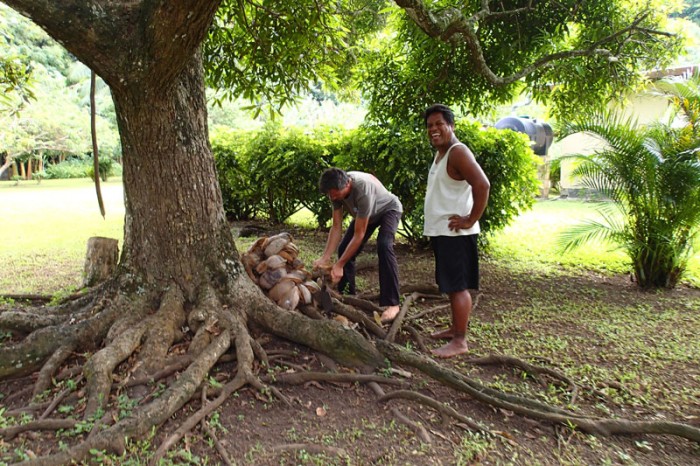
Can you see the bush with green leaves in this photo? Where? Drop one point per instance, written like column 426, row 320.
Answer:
column 229, row 148
column 107, row 167
column 70, row 168
column 400, row 156
column 273, row 172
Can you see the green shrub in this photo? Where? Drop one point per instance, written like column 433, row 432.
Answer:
column 273, row 171
column 284, row 165
column 107, row 167
column 69, row 168
column 400, row 156
column 229, row 148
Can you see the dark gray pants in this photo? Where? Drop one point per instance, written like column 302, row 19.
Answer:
column 388, row 266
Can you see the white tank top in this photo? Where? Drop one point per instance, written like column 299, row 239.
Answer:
column 445, row 197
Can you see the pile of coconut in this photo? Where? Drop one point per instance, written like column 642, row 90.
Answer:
column 274, row 265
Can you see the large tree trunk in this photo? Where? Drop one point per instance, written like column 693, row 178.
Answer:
column 175, row 228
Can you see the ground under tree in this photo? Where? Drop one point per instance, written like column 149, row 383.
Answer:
column 180, row 279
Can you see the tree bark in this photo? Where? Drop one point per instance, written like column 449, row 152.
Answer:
column 100, row 260
column 175, row 227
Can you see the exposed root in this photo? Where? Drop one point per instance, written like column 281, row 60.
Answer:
column 365, row 305
column 43, row 382
column 204, row 319
column 42, row 424
column 219, row 447
column 299, row 378
column 396, row 325
column 359, row 317
column 429, row 311
column 58, row 399
column 150, row 415
column 532, row 408
column 164, row 329
column 437, row 406
column 420, row 341
column 244, row 376
column 98, row 369
column 529, row 369
column 419, row 430
column 30, row 354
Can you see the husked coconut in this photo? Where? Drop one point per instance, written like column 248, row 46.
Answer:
column 312, row 286
column 271, row 277
column 250, row 262
column 272, row 262
column 281, row 289
column 276, row 243
column 290, row 300
column 297, row 264
column 304, row 294
column 257, row 246
column 298, row 275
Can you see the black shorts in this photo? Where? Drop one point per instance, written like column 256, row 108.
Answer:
column 456, row 262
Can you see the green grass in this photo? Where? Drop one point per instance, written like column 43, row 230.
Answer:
column 532, row 242
column 47, row 225
column 45, row 231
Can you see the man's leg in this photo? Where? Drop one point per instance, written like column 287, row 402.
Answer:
column 461, row 305
column 349, row 271
column 448, row 333
column 348, row 279
column 388, row 265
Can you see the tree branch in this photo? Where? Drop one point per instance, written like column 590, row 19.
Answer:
column 452, row 26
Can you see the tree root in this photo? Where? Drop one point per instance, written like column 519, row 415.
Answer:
column 50, row 367
column 396, row 325
column 437, row 406
column 359, row 317
column 299, row 378
column 528, row 368
column 244, row 376
column 532, row 408
column 418, row 429
column 41, row 424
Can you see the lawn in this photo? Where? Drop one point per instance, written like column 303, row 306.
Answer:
column 47, row 226
column 45, row 231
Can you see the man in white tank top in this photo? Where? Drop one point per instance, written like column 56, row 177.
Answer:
column 456, row 197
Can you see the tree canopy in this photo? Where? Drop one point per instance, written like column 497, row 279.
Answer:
column 404, row 55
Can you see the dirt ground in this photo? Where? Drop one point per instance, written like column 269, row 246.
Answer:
column 345, row 423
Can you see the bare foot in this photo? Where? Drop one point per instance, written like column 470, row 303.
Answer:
column 453, row 348
column 443, row 335
column 390, row 313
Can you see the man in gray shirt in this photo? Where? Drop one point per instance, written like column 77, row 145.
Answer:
column 372, row 206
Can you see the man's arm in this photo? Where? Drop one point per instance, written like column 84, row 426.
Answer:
column 333, row 238
column 463, row 165
column 355, row 243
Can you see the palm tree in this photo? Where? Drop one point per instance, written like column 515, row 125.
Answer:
column 651, row 176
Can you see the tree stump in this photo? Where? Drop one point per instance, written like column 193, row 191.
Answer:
column 101, row 260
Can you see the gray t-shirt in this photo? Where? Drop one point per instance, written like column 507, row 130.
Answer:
column 368, row 198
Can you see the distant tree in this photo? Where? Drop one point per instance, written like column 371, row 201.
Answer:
column 15, row 69
column 474, row 55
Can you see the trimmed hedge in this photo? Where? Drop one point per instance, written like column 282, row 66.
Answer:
column 274, row 172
